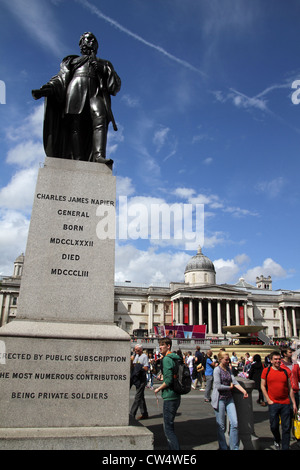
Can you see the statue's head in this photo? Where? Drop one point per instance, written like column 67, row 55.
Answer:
column 88, row 42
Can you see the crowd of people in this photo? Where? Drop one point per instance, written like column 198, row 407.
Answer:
column 276, row 379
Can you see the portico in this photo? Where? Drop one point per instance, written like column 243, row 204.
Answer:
column 213, row 306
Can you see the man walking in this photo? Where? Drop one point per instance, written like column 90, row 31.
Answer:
column 171, row 400
column 288, row 363
column 140, row 365
column 209, row 375
column 276, row 387
column 199, row 361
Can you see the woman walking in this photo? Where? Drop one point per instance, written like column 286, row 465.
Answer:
column 223, row 403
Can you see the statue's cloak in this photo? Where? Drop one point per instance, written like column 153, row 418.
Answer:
column 56, row 134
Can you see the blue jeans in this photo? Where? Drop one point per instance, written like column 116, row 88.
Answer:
column 169, row 412
column 227, row 406
column 275, row 410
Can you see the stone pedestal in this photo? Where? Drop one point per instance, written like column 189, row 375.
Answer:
column 69, row 263
column 64, row 364
column 244, row 410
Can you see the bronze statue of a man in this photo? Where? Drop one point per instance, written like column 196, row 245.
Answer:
column 78, row 105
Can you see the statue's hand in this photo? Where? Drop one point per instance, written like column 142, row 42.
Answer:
column 45, row 90
column 98, row 67
column 37, row 94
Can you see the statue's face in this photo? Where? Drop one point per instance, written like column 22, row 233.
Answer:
column 88, row 43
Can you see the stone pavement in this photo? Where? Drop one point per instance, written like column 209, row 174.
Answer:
column 195, row 423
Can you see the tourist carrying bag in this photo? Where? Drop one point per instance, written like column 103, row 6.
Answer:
column 296, row 426
column 182, row 382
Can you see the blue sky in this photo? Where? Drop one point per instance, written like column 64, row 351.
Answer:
column 205, row 116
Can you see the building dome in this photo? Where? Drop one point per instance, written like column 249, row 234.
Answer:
column 199, row 262
column 20, row 259
column 200, row 270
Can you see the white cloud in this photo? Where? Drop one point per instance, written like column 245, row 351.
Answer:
column 149, row 267
column 268, row 268
column 230, row 270
column 226, row 271
column 32, row 126
column 160, row 137
column 19, row 192
column 26, row 153
column 271, row 188
column 13, row 236
column 238, row 212
column 161, row 223
column 130, row 101
column 184, row 193
column 114, row 139
column 242, row 259
column 240, row 100
column 212, row 201
column 124, row 186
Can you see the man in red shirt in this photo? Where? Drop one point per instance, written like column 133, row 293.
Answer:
column 288, row 362
column 276, row 387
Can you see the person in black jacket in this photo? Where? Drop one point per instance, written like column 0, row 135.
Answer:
column 255, row 374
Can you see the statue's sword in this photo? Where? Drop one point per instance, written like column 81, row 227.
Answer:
column 106, row 99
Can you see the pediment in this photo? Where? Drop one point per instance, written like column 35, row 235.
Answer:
column 217, row 290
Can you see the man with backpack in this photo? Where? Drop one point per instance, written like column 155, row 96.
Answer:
column 276, row 387
column 171, row 399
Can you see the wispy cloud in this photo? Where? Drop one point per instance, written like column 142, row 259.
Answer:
column 160, row 137
column 96, row 11
column 37, row 18
column 271, row 188
column 130, row 101
column 207, row 161
column 241, row 100
column 212, row 202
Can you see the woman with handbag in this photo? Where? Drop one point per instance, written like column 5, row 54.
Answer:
column 223, row 403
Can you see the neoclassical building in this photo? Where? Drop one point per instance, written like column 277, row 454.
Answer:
column 198, row 300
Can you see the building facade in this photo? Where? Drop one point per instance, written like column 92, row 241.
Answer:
column 198, row 300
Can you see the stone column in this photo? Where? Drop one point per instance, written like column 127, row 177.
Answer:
column 294, row 322
column 6, row 308
column 191, row 312
column 286, row 325
column 281, row 323
column 237, row 317
column 180, row 311
column 209, row 318
column 175, row 311
column 250, row 310
column 150, row 315
column 246, row 313
column 219, row 317
column 200, row 313
column 1, row 309
column 227, row 312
